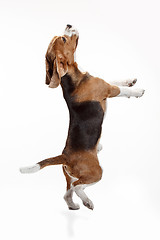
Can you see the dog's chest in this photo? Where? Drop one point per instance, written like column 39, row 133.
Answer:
column 68, row 88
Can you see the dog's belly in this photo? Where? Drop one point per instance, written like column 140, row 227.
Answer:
column 85, row 125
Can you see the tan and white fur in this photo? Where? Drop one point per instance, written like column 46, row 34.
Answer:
column 86, row 97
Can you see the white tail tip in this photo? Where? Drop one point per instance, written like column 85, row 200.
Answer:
column 31, row 169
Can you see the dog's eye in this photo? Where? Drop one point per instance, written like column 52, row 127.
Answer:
column 64, row 39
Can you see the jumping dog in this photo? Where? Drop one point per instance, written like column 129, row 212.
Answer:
column 86, row 97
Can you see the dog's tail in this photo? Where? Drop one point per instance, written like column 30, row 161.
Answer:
column 61, row 159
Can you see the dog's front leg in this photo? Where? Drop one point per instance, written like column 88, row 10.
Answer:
column 122, row 89
column 127, row 92
column 124, row 83
column 119, row 91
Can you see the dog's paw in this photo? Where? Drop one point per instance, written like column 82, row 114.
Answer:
column 88, row 203
column 69, row 201
column 74, row 207
column 138, row 92
column 130, row 82
column 99, row 147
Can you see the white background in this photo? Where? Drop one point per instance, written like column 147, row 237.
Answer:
column 118, row 39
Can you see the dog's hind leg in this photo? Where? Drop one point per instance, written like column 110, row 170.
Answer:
column 69, row 193
column 79, row 186
column 89, row 173
column 79, row 190
column 68, row 198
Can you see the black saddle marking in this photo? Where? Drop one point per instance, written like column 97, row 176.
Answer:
column 85, row 119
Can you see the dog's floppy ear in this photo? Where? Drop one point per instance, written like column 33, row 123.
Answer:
column 49, row 69
column 55, row 71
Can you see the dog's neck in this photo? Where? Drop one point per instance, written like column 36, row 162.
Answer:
column 76, row 75
column 72, row 80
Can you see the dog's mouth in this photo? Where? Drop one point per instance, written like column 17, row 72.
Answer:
column 70, row 31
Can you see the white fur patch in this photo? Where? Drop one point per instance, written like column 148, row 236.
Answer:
column 99, row 147
column 31, row 169
column 128, row 92
column 123, row 83
column 80, row 193
column 68, row 198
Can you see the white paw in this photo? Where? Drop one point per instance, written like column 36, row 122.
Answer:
column 74, row 207
column 88, row 203
column 138, row 92
column 99, row 147
column 130, row 82
column 70, row 203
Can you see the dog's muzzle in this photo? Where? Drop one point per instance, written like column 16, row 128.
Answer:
column 70, row 30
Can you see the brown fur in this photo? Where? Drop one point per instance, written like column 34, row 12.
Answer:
column 58, row 56
column 89, row 88
column 83, row 165
column 85, row 96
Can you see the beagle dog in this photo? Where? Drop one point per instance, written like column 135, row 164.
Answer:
column 86, row 97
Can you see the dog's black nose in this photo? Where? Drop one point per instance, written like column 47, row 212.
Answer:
column 69, row 26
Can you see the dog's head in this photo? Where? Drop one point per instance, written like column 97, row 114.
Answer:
column 59, row 55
